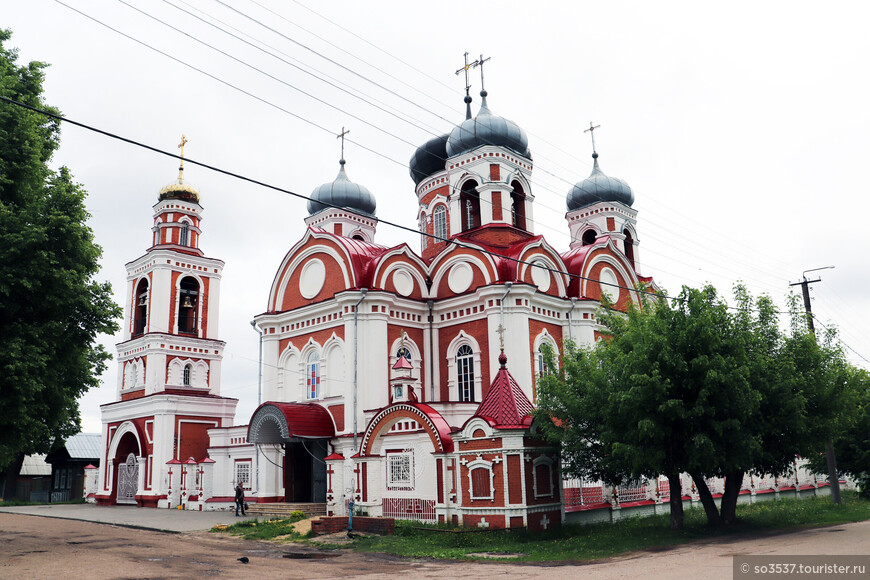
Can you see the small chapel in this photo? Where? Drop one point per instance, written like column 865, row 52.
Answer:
column 402, row 379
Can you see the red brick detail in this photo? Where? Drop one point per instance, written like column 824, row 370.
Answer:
column 496, row 206
column 479, row 444
column 338, row 230
column 516, row 521
column 554, row 520
column 515, row 480
column 611, row 224
column 439, row 478
column 318, row 336
column 365, row 482
column 387, row 284
column 193, row 438
column 443, row 191
column 206, row 282
column 337, row 412
column 134, row 395
column 478, row 329
column 494, row 174
column 335, row 524
column 495, row 521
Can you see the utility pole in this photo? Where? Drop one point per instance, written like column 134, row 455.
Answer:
column 833, row 477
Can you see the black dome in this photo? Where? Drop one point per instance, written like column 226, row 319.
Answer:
column 429, row 158
column 599, row 187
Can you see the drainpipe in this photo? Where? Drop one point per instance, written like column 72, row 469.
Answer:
column 363, row 292
column 431, row 304
column 259, row 402
column 570, row 320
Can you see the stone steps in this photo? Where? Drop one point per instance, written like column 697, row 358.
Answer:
column 312, row 510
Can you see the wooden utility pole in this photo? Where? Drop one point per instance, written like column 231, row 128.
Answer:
column 833, row 477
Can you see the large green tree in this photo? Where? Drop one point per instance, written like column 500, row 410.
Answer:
column 688, row 385
column 51, row 307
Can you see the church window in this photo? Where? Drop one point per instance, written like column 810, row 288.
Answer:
column 629, row 247
column 481, row 479
column 188, row 296
column 543, row 469
column 184, row 235
column 243, row 473
column 312, row 375
column 400, row 470
column 440, row 222
column 403, row 351
column 140, row 316
column 469, row 205
column 465, row 373
column 518, row 206
column 543, row 368
column 185, row 380
column 589, row 237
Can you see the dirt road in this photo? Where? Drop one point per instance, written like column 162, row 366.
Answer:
column 41, row 547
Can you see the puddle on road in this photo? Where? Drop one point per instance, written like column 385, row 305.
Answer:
column 310, row 555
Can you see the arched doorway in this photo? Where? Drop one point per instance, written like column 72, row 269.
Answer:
column 126, row 470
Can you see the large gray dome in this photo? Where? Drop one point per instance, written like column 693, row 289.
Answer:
column 599, row 187
column 487, row 129
column 429, row 158
column 342, row 193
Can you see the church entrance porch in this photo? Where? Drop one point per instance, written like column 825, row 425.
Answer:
column 305, row 471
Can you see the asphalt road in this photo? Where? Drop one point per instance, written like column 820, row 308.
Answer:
column 118, row 542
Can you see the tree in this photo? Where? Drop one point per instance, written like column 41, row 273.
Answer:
column 687, row 386
column 51, row 308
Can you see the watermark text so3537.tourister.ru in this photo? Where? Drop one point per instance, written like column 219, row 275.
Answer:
column 770, row 567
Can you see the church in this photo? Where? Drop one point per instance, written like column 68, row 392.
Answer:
column 400, row 378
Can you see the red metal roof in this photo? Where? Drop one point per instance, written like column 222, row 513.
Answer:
column 505, row 404
column 292, row 420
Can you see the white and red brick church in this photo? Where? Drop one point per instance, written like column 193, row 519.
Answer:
column 400, row 378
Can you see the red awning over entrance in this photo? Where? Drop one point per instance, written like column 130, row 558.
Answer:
column 282, row 422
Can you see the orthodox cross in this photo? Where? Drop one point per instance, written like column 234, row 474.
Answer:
column 341, row 136
column 480, row 64
column 500, row 331
column 468, row 65
column 181, row 162
column 591, row 131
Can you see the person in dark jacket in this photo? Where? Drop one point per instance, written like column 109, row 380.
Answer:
column 240, row 499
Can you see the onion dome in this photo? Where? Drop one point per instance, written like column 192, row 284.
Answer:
column 342, row 193
column 179, row 190
column 429, row 159
column 599, row 187
column 487, row 129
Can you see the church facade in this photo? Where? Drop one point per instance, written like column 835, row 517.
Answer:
column 401, row 379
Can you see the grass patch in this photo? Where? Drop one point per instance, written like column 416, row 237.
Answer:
column 268, row 529
column 595, row 541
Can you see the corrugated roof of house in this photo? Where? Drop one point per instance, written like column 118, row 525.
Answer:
column 84, row 446
column 35, row 465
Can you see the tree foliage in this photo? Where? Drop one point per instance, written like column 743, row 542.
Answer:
column 51, row 308
column 691, row 385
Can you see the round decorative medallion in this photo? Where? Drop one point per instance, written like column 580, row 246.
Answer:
column 403, row 282
column 460, row 277
column 541, row 275
column 311, row 279
column 609, row 283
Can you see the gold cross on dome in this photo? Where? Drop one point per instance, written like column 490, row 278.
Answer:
column 468, row 65
column 591, row 131
column 181, row 161
column 500, row 331
column 341, row 136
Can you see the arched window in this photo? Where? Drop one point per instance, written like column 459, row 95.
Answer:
column 312, row 375
column 543, row 368
column 518, row 205
column 140, row 317
column 185, row 378
column 589, row 237
column 184, row 235
column 439, row 217
column 188, row 298
column 465, row 373
column 629, row 247
column 469, row 205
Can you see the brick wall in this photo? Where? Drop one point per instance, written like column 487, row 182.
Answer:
column 335, row 524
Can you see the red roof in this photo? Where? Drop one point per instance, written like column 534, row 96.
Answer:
column 505, row 404
column 290, row 420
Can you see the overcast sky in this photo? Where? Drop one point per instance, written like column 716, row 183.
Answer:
column 742, row 128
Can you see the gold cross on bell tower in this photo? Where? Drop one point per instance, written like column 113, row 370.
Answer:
column 591, row 131
column 181, row 161
column 500, row 331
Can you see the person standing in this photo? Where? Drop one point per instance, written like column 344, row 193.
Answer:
column 240, row 499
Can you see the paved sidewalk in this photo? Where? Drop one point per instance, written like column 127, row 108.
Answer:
column 147, row 518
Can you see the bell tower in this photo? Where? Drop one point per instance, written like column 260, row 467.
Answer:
column 171, row 326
